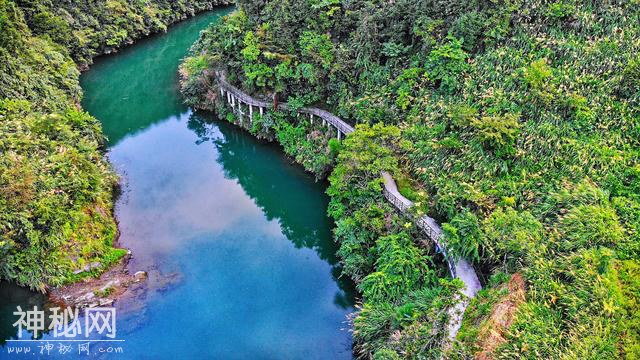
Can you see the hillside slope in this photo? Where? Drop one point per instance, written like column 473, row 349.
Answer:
column 514, row 123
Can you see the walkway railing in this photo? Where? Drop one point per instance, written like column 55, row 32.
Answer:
column 235, row 95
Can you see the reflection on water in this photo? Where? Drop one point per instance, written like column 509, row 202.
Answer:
column 304, row 220
column 244, row 231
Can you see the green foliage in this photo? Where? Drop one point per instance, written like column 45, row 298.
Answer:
column 11, row 26
column 317, row 47
column 511, row 238
column 629, row 86
column 53, row 26
column 250, row 52
column 414, row 328
column 463, row 236
column 55, row 195
column 406, row 188
column 307, row 145
column 258, row 74
column 446, row 63
column 111, row 257
column 496, row 131
column 587, row 226
column 386, row 354
column 537, row 74
column 469, row 28
column 400, row 268
column 407, row 82
column 194, row 82
column 600, row 300
column 560, row 9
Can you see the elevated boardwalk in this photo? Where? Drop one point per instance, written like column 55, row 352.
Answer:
column 458, row 268
column 236, row 97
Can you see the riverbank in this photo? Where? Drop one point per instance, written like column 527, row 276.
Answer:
column 102, row 290
column 57, row 209
column 84, row 61
column 103, row 285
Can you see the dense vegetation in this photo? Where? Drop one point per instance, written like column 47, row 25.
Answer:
column 515, row 123
column 55, row 187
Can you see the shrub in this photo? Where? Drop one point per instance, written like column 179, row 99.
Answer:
column 497, row 131
column 446, row 63
column 400, row 268
column 462, row 236
column 45, row 23
column 587, row 226
column 537, row 74
column 512, row 239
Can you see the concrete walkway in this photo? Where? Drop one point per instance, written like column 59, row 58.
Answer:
column 459, row 268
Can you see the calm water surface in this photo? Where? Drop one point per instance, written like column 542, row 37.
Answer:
column 235, row 238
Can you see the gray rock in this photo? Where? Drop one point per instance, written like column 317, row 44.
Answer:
column 140, row 275
column 93, row 265
column 105, row 302
column 87, row 296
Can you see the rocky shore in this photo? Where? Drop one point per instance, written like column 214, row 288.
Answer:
column 99, row 291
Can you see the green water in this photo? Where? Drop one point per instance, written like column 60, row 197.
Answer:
column 235, row 238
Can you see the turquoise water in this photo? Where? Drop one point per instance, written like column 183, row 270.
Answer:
column 235, row 238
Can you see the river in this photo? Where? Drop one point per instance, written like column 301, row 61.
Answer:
column 234, row 236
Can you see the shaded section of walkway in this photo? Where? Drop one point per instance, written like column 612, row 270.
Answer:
column 459, row 268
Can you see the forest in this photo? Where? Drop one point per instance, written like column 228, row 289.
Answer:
column 515, row 124
column 56, row 188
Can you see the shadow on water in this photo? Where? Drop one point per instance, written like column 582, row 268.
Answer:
column 304, row 221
